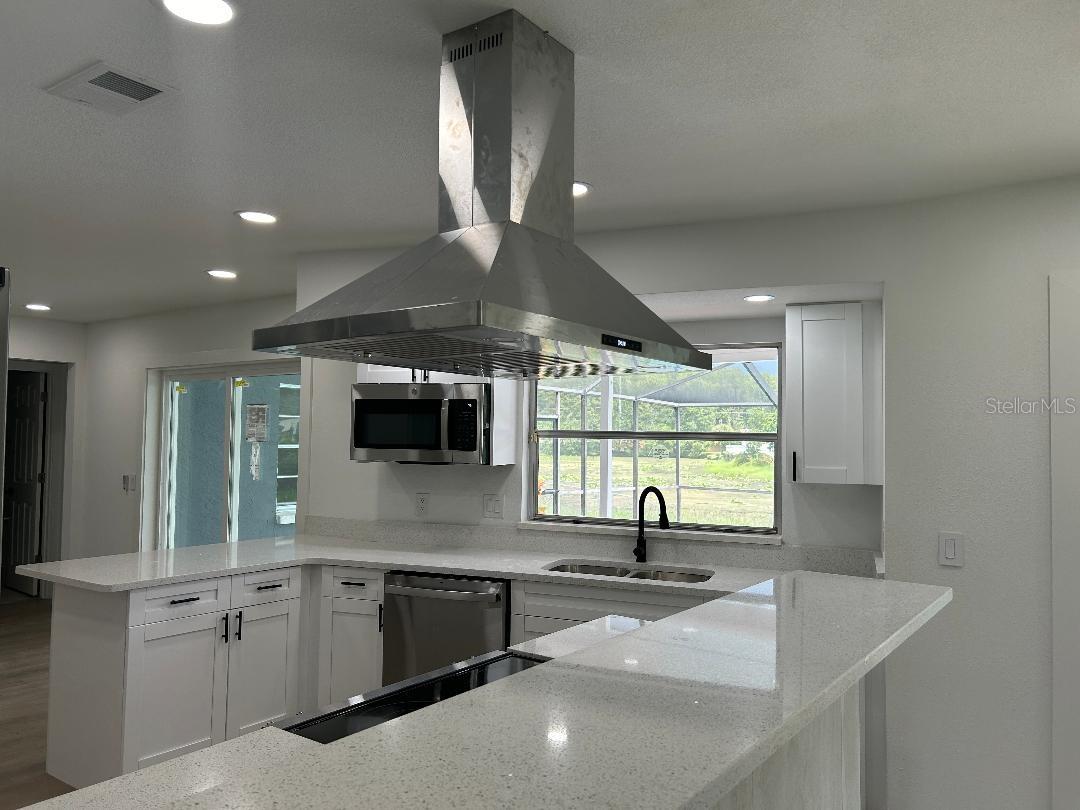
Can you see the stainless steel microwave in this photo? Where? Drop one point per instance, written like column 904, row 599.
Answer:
column 425, row 423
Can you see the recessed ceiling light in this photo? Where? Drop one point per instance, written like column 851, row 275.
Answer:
column 759, row 299
column 259, row 217
column 38, row 307
column 580, row 189
column 220, row 273
column 203, row 12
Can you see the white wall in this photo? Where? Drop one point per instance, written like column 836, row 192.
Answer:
column 119, row 354
column 53, row 341
column 965, row 319
column 732, row 330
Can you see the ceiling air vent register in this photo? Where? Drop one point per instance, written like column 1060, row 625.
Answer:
column 109, row 89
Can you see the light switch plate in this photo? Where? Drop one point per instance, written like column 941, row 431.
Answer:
column 422, row 499
column 951, row 549
column 493, row 506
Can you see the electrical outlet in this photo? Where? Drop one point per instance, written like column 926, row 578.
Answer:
column 422, row 499
column 493, row 506
column 951, row 549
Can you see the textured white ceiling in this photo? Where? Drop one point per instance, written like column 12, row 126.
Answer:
column 324, row 110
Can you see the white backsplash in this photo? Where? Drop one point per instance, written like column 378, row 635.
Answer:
column 851, row 561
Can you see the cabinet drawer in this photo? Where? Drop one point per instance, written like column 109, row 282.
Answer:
column 164, row 602
column 260, row 587
column 582, row 603
column 356, row 583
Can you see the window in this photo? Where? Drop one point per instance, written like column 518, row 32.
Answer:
column 230, row 456
column 706, row 439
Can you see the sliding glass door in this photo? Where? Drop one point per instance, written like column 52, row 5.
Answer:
column 231, row 444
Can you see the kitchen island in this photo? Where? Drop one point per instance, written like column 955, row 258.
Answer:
column 734, row 703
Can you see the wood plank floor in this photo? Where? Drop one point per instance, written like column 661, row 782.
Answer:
column 24, row 687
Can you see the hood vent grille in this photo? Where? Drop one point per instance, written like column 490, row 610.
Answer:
column 455, row 356
column 460, row 52
column 489, row 42
column 109, row 89
column 466, row 50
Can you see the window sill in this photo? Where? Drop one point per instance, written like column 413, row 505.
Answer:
column 652, row 532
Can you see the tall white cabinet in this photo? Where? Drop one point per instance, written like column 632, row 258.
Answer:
column 833, row 396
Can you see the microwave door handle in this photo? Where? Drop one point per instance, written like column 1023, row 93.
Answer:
column 444, row 417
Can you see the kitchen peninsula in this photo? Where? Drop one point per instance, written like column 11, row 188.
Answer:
column 692, row 709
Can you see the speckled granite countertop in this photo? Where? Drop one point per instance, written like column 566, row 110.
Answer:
column 126, row 572
column 673, row 714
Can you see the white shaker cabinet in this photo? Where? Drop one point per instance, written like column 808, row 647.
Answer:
column 353, row 648
column 264, row 666
column 199, row 680
column 539, row 608
column 833, row 408
column 177, row 676
column 350, row 633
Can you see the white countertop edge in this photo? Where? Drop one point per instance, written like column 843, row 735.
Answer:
column 653, row 533
column 770, row 743
column 716, row 585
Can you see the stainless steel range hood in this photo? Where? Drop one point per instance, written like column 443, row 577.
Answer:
column 501, row 290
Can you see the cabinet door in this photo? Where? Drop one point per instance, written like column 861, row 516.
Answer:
column 264, row 665
column 536, row 626
column 352, row 644
column 582, row 603
column 824, row 386
column 176, row 684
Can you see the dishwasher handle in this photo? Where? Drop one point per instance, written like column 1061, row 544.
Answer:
column 439, row 593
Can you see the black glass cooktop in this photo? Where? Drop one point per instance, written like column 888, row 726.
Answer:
column 377, row 707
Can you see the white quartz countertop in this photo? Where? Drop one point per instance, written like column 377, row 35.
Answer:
column 254, row 756
column 126, row 572
column 573, row 639
column 673, row 714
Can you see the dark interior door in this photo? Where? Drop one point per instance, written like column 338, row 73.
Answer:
column 24, row 476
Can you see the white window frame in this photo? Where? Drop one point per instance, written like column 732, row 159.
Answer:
column 536, row 434
column 158, row 461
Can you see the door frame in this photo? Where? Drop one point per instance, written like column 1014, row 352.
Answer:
column 55, row 458
column 1064, row 330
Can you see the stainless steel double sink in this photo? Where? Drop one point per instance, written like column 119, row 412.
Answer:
column 606, row 569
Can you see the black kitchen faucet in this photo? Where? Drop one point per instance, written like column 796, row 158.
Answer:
column 639, row 549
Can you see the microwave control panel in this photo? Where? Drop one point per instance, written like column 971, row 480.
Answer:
column 462, row 425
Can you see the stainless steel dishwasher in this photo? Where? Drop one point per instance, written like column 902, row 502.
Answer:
column 433, row 620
